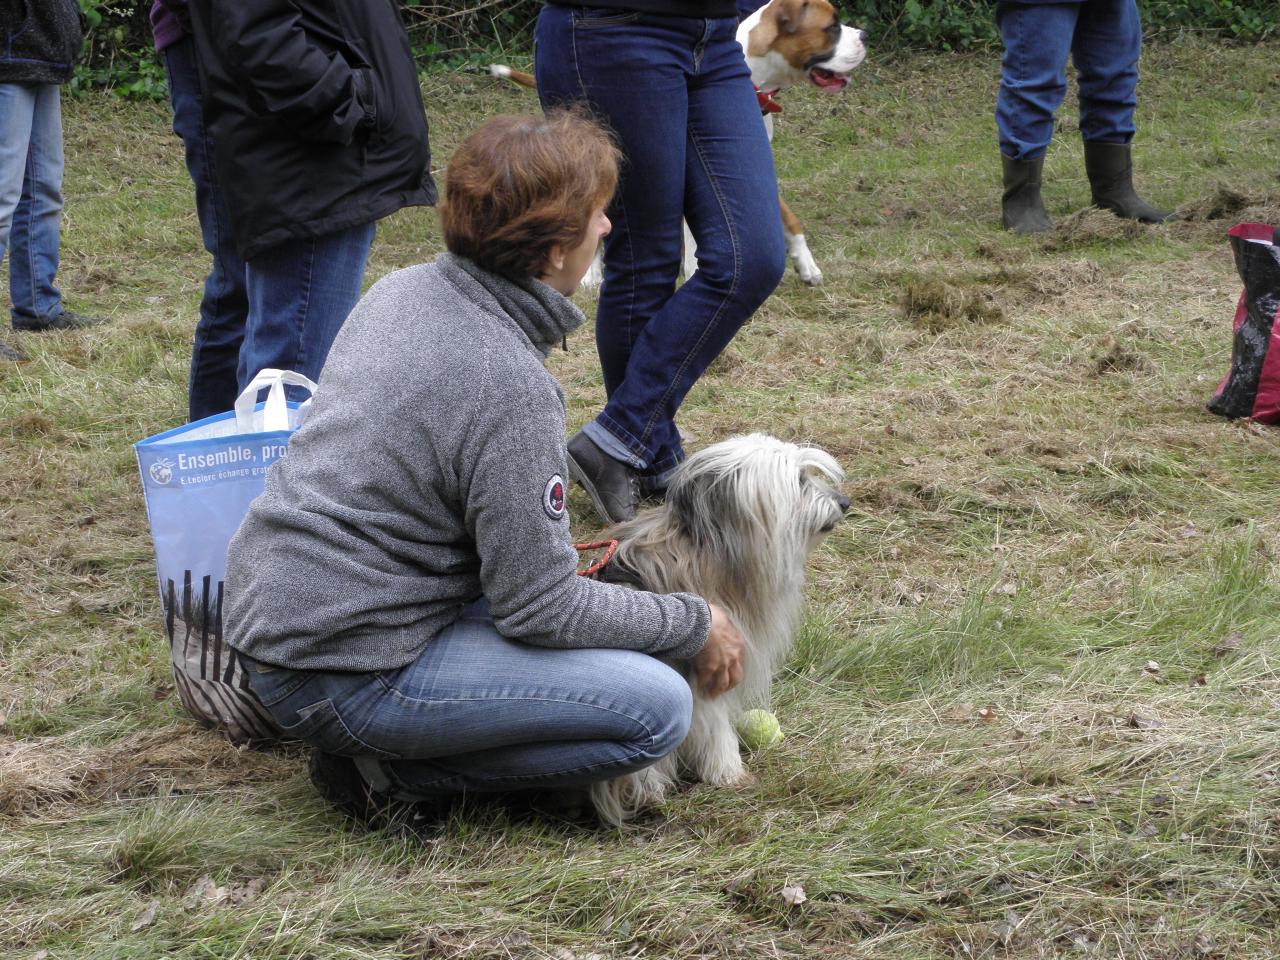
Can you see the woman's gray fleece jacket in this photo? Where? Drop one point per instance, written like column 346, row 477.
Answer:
column 430, row 471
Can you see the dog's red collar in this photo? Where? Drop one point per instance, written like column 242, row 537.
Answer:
column 766, row 101
column 610, row 548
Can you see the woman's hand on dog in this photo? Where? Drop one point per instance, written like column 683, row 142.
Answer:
column 719, row 663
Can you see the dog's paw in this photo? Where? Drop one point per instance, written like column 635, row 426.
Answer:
column 802, row 259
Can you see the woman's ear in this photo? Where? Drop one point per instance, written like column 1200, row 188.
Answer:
column 555, row 259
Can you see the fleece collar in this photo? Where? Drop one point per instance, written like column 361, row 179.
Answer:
column 543, row 314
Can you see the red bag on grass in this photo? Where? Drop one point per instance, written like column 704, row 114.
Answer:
column 1252, row 387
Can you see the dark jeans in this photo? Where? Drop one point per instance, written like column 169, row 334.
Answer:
column 281, row 309
column 224, row 308
column 1104, row 39
column 299, row 296
column 478, row 712
column 677, row 93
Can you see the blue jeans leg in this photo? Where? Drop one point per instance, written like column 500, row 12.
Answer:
column 299, row 296
column 224, row 308
column 31, row 121
column 476, row 712
column 17, row 108
column 677, row 93
column 1037, row 40
column 1107, row 45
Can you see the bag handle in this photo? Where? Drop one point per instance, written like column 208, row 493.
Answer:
column 275, row 414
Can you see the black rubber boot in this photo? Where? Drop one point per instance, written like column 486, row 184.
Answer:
column 1110, row 170
column 1023, row 210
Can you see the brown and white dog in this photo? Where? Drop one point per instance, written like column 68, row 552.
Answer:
column 787, row 43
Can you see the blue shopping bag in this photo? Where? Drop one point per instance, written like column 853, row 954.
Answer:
column 198, row 481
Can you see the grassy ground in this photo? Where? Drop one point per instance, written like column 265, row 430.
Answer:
column 1033, row 712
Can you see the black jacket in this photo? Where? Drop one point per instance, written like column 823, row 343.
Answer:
column 315, row 114
column 41, row 40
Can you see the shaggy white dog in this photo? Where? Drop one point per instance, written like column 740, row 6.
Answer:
column 739, row 522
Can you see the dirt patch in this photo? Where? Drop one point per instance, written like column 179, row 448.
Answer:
column 1092, row 225
column 939, row 304
column 1110, row 355
column 1221, row 203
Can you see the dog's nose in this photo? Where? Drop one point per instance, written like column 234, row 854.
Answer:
column 843, row 501
column 862, row 35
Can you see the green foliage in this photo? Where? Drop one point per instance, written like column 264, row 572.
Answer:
column 118, row 51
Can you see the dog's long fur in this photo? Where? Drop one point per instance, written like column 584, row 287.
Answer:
column 741, row 518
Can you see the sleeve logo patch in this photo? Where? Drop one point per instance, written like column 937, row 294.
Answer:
column 553, row 497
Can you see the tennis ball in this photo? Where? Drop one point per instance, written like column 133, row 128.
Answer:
column 758, row 729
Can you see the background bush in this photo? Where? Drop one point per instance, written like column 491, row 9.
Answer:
column 456, row 33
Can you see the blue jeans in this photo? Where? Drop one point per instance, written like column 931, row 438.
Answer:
column 677, row 93
column 224, row 308
column 1103, row 37
column 476, row 712
column 31, row 198
column 299, row 296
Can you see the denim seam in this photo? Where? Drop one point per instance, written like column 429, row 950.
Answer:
column 733, row 288
column 301, row 354
column 26, row 228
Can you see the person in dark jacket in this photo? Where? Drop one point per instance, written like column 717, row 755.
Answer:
column 1104, row 39
column 41, row 43
column 224, row 308
column 670, row 79
column 318, row 131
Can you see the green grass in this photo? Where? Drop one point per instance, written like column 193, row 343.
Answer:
column 1032, row 712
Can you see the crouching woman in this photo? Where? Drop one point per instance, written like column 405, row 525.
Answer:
column 405, row 589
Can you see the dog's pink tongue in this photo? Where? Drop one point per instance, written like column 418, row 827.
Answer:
column 827, row 79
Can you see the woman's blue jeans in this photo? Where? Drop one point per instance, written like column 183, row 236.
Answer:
column 677, row 93
column 476, row 712
column 1103, row 38
column 31, row 164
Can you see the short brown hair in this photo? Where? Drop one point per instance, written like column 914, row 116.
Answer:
column 520, row 185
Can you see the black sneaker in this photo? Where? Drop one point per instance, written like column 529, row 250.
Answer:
column 614, row 488
column 339, row 781
column 66, row 320
column 8, row 352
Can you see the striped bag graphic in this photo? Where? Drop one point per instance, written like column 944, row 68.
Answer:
column 207, row 672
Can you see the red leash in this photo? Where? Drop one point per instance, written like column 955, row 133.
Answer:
column 611, row 547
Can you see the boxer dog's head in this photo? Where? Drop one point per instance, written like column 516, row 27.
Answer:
column 790, row 41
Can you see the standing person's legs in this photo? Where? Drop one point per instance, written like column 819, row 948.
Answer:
column 34, row 238
column 1106, row 47
column 299, row 296
column 1037, row 39
column 731, row 204
column 17, row 105
column 476, row 712
column 1108, row 43
column 224, row 308
column 704, row 154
